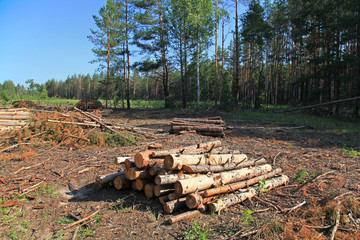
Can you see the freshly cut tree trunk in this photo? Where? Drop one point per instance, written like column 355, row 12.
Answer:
column 163, row 199
column 155, row 170
column 102, row 180
column 221, row 168
column 199, row 120
column 134, row 173
column 207, row 145
column 142, row 158
column 171, row 178
column 199, row 128
column 140, row 183
column 174, row 205
column 121, row 160
column 196, row 200
column 149, row 190
column 191, row 185
column 244, row 173
column 15, row 117
column 129, row 163
column 121, row 182
column 174, row 161
column 238, row 185
column 243, row 195
column 185, row 215
column 163, row 189
column 173, row 196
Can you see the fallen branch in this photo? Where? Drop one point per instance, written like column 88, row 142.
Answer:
column 182, row 216
column 312, row 180
column 19, row 144
column 96, row 120
column 337, row 222
column 82, row 220
column 295, row 207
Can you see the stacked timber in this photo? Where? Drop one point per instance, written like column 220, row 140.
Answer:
column 14, row 118
column 196, row 177
column 210, row 126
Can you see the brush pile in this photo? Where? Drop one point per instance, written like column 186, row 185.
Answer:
column 14, row 118
column 203, row 176
column 210, row 126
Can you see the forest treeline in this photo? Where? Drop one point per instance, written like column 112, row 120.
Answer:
column 282, row 52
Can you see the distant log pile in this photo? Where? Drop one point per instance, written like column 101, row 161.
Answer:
column 14, row 118
column 211, row 126
column 197, row 177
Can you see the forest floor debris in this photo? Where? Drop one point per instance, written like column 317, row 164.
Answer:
column 52, row 182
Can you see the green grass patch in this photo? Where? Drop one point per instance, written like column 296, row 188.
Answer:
column 123, row 138
column 197, row 231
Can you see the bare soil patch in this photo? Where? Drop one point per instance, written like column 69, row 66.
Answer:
column 303, row 154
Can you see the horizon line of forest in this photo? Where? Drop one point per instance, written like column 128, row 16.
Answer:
column 283, row 52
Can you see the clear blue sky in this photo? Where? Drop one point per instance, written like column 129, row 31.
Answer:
column 44, row 39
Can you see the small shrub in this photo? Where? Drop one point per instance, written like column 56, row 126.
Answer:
column 302, row 176
column 247, row 217
column 197, row 232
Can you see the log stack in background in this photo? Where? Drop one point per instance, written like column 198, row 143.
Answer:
column 14, row 118
column 197, row 177
column 211, row 126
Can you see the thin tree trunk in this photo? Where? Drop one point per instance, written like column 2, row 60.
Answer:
column 128, row 57
column 222, row 54
column 198, row 70
column 216, row 57
column 236, row 64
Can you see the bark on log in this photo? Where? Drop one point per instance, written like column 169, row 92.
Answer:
column 174, row 205
column 199, row 120
column 149, row 190
column 129, row 163
column 96, row 120
column 121, row 182
column 133, row 186
column 134, row 173
column 182, row 216
column 16, row 117
column 171, row 178
column 212, row 134
column 13, row 123
column 243, row 195
column 103, row 179
column 174, row 196
column 191, row 185
column 142, row 158
column 221, row 168
column 155, row 170
column 196, row 200
column 204, row 146
column 238, row 185
column 174, row 161
column 121, row 160
column 163, row 189
column 199, row 128
column 244, row 173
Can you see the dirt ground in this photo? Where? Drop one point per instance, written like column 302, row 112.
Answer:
column 302, row 153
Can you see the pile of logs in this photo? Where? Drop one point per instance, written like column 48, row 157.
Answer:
column 200, row 177
column 211, row 126
column 14, row 118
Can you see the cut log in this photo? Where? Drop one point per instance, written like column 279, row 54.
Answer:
column 174, row 205
column 102, row 180
column 172, row 196
column 13, row 123
column 163, row 189
column 134, row 173
column 149, row 190
column 133, row 186
column 129, row 163
column 221, row 168
column 140, row 183
column 196, row 200
column 238, row 185
column 142, row 158
column 244, row 173
column 182, row 216
column 198, row 120
column 243, row 195
column 121, row 160
column 199, row 128
column 155, row 170
column 96, row 120
column 171, row 178
column 191, row 185
column 174, row 161
column 203, row 146
column 15, row 117
column 163, row 199
column 121, row 182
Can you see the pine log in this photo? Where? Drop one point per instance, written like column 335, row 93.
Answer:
column 221, row 168
column 13, row 123
column 149, row 190
column 174, row 161
column 96, row 120
column 196, row 200
column 134, row 173
column 121, row 160
column 244, row 173
column 172, row 196
column 156, row 170
column 199, row 120
column 103, row 179
column 238, row 185
column 140, row 183
column 163, row 189
column 191, row 185
column 182, row 216
column 171, row 178
column 174, row 205
column 163, row 199
column 204, row 146
column 15, row 117
column 199, row 128
column 133, row 186
column 121, row 182
column 129, row 163
column 243, row 195
column 14, row 113
column 142, row 158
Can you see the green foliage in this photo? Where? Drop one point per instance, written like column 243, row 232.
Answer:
column 302, row 176
column 261, row 186
column 123, row 138
column 247, row 217
column 352, row 153
column 85, row 232
column 197, row 232
column 65, row 220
